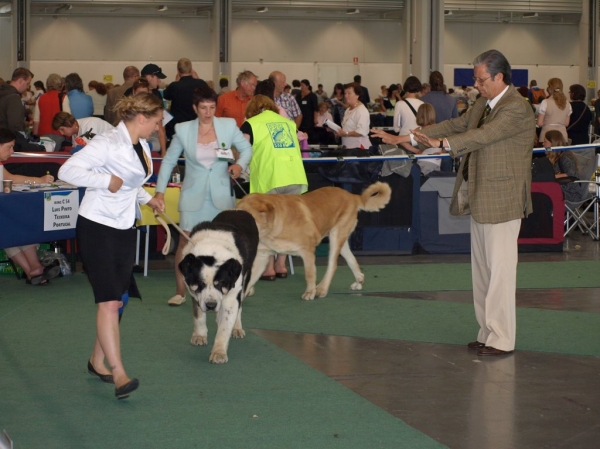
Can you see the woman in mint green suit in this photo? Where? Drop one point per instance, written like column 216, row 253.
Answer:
column 206, row 189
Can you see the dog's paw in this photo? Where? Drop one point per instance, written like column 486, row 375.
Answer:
column 199, row 340
column 218, row 357
column 356, row 286
column 250, row 291
column 238, row 333
column 309, row 295
column 321, row 292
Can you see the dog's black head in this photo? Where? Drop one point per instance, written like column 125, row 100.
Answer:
column 208, row 280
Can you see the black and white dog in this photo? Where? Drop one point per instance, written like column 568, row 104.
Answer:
column 217, row 267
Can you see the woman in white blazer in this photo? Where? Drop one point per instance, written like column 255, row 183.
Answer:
column 206, row 188
column 113, row 167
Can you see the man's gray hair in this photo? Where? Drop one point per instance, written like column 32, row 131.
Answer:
column 496, row 63
column 244, row 76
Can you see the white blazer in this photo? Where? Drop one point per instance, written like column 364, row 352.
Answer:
column 109, row 153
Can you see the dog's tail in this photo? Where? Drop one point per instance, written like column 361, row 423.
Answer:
column 375, row 197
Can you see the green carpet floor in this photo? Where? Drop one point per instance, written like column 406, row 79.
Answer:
column 263, row 398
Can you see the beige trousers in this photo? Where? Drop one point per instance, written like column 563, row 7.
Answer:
column 494, row 257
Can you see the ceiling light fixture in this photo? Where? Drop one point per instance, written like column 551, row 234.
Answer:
column 529, row 15
column 162, row 8
column 448, row 12
column 352, row 11
column 262, row 9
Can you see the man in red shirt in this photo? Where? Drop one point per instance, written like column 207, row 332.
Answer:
column 233, row 104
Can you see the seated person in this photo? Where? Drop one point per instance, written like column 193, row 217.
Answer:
column 78, row 132
column 25, row 256
column 426, row 117
column 566, row 167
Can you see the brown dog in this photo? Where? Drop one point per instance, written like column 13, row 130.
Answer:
column 296, row 224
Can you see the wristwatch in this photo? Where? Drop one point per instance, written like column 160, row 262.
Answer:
column 441, row 143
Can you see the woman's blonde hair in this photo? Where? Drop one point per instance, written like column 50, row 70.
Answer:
column 258, row 104
column 425, row 115
column 555, row 89
column 143, row 103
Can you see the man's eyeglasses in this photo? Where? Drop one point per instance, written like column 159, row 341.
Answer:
column 480, row 80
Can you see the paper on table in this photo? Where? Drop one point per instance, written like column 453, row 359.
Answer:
column 331, row 125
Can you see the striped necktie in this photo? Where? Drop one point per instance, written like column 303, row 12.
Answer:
column 484, row 116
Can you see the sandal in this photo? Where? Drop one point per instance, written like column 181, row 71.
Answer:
column 50, row 272
column 37, row 280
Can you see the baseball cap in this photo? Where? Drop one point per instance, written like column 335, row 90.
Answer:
column 153, row 69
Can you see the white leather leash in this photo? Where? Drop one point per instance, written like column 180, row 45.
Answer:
column 167, row 245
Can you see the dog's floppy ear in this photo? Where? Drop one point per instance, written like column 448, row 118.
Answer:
column 186, row 266
column 227, row 275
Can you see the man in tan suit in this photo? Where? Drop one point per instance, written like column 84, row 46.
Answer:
column 493, row 185
column 130, row 75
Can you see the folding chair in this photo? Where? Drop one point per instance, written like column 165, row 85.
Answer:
column 576, row 211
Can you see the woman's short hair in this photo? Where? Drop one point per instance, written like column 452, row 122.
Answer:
column 203, row 94
column 426, row 115
column 6, row 136
column 73, row 82
column 355, row 87
column 577, row 92
column 266, row 88
column 54, row 82
column 338, row 86
column 412, row 85
column 62, row 119
column 147, row 104
column 258, row 104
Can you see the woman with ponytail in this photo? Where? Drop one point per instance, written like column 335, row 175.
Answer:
column 113, row 167
column 555, row 111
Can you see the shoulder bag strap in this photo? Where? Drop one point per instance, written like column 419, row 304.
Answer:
column 411, row 107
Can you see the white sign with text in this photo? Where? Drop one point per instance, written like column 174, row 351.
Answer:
column 60, row 209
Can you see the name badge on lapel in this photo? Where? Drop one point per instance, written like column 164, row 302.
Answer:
column 225, row 154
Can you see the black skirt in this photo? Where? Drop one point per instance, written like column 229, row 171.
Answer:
column 108, row 255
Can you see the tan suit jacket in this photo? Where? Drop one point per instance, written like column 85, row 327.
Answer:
column 499, row 185
column 114, row 95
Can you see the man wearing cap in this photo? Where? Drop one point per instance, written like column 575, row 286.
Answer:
column 153, row 74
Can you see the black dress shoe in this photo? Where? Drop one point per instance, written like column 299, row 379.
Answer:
column 103, row 377
column 476, row 345
column 123, row 391
column 281, row 275
column 268, row 278
column 490, row 351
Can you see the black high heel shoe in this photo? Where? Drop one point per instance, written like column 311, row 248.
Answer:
column 103, row 377
column 123, row 391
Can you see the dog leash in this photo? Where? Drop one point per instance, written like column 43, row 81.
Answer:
column 163, row 223
column 240, row 186
column 167, row 245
